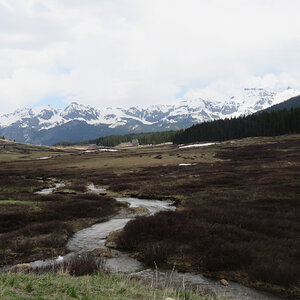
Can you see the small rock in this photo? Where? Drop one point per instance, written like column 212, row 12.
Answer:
column 169, row 298
column 112, row 239
column 139, row 211
column 102, row 252
column 224, row 282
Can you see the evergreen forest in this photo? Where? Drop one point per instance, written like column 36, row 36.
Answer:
column 264, row 124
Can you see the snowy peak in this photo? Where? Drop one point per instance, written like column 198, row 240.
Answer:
column 45, row 113
column 17, row 115
column 258, row 98
column 285, row 95
column 79, row 111
column 74, row 106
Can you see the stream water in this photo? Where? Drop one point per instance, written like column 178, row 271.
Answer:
column 48, row 191
column 94, row 237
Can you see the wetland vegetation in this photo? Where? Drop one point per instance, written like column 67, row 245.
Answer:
column 238, row 206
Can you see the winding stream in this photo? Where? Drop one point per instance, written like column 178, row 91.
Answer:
column 94, row 237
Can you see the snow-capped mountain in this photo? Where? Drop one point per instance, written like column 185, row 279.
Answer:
column 47, row 125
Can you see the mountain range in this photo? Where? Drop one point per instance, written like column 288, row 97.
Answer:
column 77, row 122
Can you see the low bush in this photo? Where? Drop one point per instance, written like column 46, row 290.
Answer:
column 52, row 197
column 53, row 240
column 156, row 252
column 79, row 265
column 77, row 186
column 71, row 209
column 84, row 265
column 22, row 246
column 13, row 220
column 46, row 227
column 93, row 196
column 223, row 238
column 120, row 187
column 228, row 256
column 275, row 271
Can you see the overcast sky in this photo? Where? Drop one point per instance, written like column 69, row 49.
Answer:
column 142, row 52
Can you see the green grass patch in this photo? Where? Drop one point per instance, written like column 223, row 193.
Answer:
column 17, row 202
column 97, row 286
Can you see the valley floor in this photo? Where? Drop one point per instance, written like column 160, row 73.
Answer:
column 238, row 204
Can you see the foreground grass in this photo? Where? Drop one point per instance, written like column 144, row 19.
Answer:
column 97, row 286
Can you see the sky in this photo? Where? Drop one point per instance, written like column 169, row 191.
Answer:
column 142, row 52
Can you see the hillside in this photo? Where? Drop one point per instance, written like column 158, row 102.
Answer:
column 264, row 124
column 10, row 150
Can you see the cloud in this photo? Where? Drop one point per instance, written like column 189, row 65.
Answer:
column 138, row 52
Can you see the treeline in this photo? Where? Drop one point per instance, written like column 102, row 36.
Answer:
column 264, row 124
column 65, row 143
column 142, row 139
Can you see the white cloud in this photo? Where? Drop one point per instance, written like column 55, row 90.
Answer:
column 129, row 52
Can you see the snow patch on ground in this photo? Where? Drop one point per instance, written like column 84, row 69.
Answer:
column 45, row 157
column 91, row 188
column 109, row 150
column 183, row 165
column 102, row 150
column 197, row 145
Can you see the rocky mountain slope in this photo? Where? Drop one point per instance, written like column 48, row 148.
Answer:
column 288, row 104
column 47, row 125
